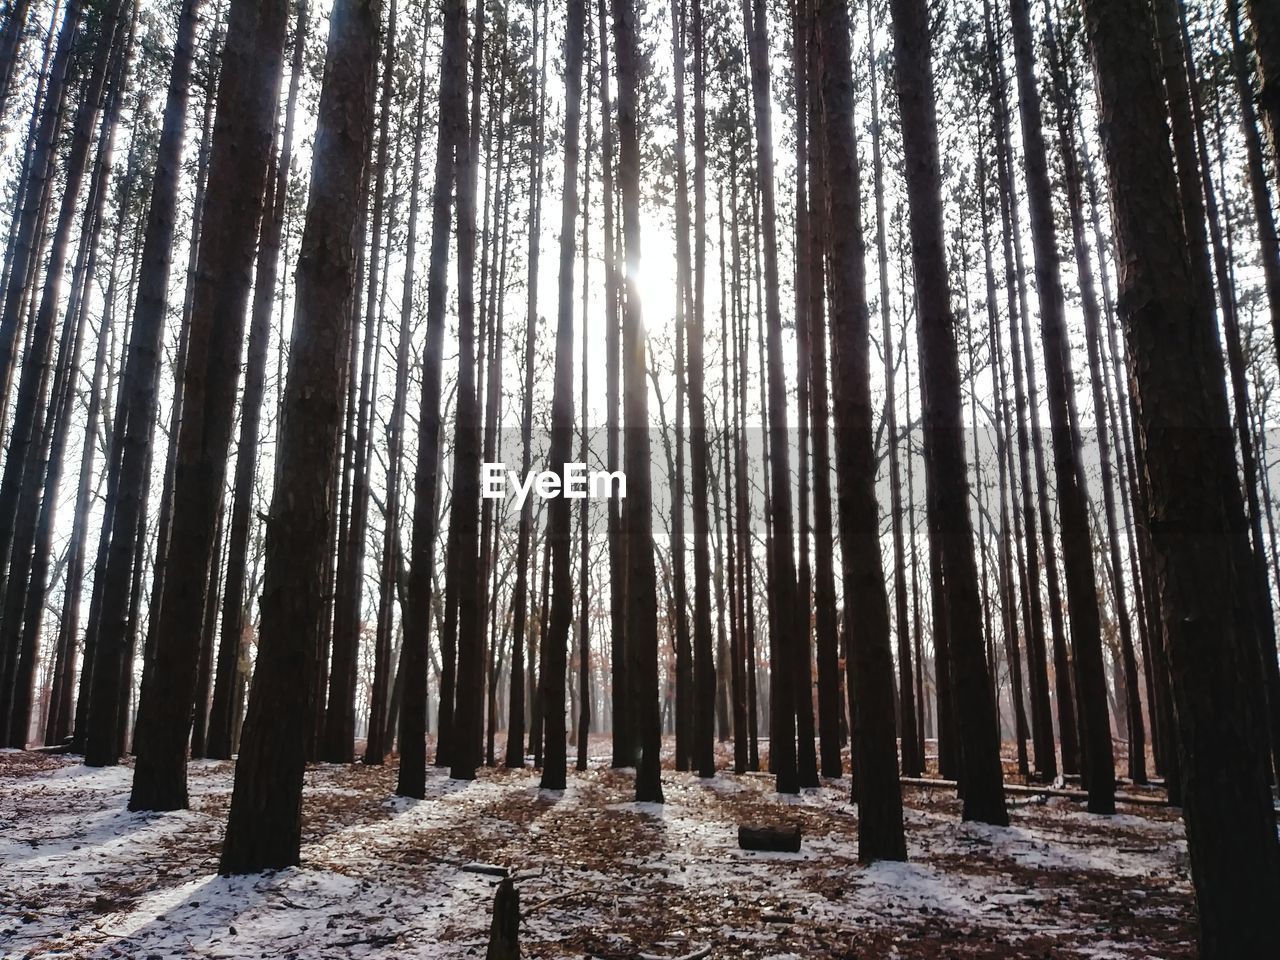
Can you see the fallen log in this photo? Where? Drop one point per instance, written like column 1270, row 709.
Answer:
column 57, row 749
column 785, row 839
column 1018, row 789
column 487, row 869
column 695, row 955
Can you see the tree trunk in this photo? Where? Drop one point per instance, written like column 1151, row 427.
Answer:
column 1026, row 405
column 264, row 827
column 29, row 433
column 1170, row 19
column 782, row 731
column 585, row 695
column 239, row 159
column 468, row 716
column 381, row 710
column 417, row 615
column 637, row 519
column 1010, row 539
column 233, row 648
column 943, row 432
column 879, row 798
column 1231, row 831
column 555, row 641
column 912, row 758
column 64, row 394
column 1072, row 493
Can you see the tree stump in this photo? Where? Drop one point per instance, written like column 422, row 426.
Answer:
column 783, row 839
column 504, row 933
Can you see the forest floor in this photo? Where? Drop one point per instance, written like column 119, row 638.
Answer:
column 599, row 875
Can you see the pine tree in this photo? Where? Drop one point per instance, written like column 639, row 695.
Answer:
column 264, row 828
column 880, row 834
column 1230, row 822
column 417, row 614
column 238, row 164
column 950, row 527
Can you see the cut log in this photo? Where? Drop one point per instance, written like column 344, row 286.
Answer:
column 784, row 839
column 488, row 869
column 504, row 934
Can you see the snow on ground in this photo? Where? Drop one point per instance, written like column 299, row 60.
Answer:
column 599, row 875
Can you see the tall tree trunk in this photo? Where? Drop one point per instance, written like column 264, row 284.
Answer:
column 29, row 433
column 417, row 614
column 620, row 708
column 702, row 693
column 1171, row 21
column 238, row 165
column 981, row 776
column 585, row 695
column 264, row 828
column 58, row 724
column 637, row 519
column 1093, row 325
column 1072, row 493
column 519, row 696
column 64, row 394
column 746, row 757
column 338, row 735
column 808, row 300
column 233, row 647
column 880, row 834
column 1010, row 539
column 1046, row 763
column 782, row 732
column 912, row 758
column 685, row 707
column 1231, row 827
column 165, row 520
column 468, row 716
column 1168, row 762
column 555, row 642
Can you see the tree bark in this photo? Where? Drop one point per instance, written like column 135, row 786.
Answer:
column 944, row 443
column 555, row 642
column 233, row 647
column 1072, row 493
column 879, row 797
column 239, row 158
column 264, row 828
column 417, row 615
column 1231, row 828
column 637, row 519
